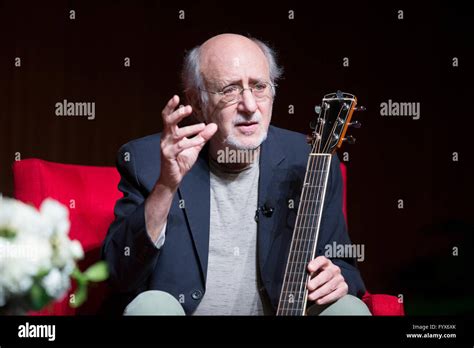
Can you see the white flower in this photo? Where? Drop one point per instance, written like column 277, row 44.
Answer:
column 56, row 215
column 35, row 250
column 55, row 283
column 62, row 250
column 33, row 243
column 16, row 272
column 76, row 250
column 20, row 261
column 19, row 217
column 69, row 268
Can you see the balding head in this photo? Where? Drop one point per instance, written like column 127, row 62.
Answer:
column 230, row 61
column 226, row 56
column 191, row 74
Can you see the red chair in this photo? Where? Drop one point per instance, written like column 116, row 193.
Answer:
column 90, row 193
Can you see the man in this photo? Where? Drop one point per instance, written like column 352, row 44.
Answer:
column 198, row 234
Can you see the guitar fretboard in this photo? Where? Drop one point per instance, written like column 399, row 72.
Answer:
column 305, row 235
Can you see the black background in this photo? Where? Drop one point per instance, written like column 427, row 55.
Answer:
column 407, row 251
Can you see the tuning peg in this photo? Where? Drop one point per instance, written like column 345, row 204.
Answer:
column 355, row 124
column 349, row 139
column 314, row 123
column 360, row 108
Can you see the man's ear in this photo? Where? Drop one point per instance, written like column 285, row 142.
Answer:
column 195, row 102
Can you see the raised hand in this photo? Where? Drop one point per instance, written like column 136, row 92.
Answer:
column 179, row 152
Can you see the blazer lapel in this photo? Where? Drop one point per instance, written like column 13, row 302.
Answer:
column 271, row 156
column 195, row 193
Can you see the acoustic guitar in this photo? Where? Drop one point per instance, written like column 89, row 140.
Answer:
column 329, row 129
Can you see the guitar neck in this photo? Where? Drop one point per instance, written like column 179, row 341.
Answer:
column 305, row 236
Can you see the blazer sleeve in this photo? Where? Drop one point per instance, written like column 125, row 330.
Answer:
column 334, row 230
column 128, row 249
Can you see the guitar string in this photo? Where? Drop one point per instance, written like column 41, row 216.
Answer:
column 335, row 123
column 284, row 301
column 303, row 256
column 321, row 197
column 307, row 225
column 310, row 221
column 310, row 246
column 299, row 254
column 290, row 283
column 300, row 230
column 314, row 216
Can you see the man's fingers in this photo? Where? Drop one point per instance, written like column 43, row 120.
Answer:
column 209, row 131
column 172, row 116
column 198, row 140
column 189, row 130
column 317, row 264
column 186, row 143
column 176, row 116
column 319, row 280
column 324, row 289
column 170, row 106
column 341, row 291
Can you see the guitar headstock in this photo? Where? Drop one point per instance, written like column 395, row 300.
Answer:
column 334, row 117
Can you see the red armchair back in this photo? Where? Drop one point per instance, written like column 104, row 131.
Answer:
column 90, row 194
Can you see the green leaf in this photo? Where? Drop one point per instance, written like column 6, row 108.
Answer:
column 97, row 272
column 79, row 276
column 38, row 297
column 7, row 232
column 80, row 295
column 42, row 273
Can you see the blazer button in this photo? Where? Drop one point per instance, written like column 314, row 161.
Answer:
column 196, row 294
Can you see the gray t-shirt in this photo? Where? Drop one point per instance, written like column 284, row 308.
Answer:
column 232, row 284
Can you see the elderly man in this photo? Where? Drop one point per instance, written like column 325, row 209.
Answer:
column 197, row 233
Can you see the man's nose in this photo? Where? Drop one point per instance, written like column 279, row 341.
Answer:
column 248, row 103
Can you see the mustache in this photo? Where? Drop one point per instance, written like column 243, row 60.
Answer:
column 256, row 117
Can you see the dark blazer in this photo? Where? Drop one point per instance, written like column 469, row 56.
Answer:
column 180, row 266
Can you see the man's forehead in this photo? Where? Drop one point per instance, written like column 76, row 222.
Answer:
column 234, row 67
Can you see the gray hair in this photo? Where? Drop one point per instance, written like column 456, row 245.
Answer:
column 192, row 78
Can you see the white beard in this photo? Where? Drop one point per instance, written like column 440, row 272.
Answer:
column 235, row 143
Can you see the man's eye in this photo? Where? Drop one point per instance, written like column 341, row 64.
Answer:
column 230, row 90
column 260, row 87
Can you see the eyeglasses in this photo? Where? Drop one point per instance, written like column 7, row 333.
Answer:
column 231, row 93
